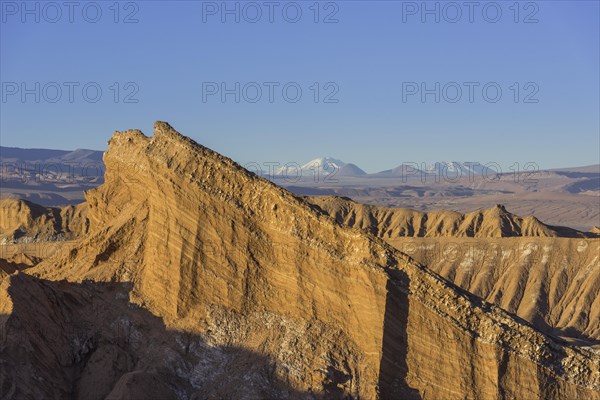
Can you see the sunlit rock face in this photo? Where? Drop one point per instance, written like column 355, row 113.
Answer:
column 201, row 280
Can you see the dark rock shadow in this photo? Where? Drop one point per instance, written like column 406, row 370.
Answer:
column 393, row 368
column 88, row 341
column 572, row 337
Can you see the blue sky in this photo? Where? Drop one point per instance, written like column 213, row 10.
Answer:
column 179, row 53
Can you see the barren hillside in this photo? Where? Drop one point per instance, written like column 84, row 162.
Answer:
column 544, row 274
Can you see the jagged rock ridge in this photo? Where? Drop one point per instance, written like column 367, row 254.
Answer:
column 551, row 281
column 403, row 222
column 233, row 261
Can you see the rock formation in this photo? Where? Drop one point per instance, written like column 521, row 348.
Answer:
column 403, row 222
column 551, row 281
column 22, row 221
column 200, row 280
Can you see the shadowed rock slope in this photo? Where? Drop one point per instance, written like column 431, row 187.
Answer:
column 403, row 222
column 311, row 308
column 16, row 262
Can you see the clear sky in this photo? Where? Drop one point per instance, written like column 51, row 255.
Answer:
column 370, row 61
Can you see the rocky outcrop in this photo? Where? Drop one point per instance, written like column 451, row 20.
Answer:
column 25, row 222
column 16, row 262
column 404, row 222
column 228, row 286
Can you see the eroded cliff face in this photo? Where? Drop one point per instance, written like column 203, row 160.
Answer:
column 554, row 283
column 272, row 297
column 550, row 281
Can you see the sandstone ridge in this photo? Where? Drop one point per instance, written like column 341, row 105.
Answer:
column 202, row 280
column 387, row 222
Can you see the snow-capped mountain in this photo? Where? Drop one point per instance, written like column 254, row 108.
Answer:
column 453, row 169
column 326, row 165
column 443, row 169
column 321, row 166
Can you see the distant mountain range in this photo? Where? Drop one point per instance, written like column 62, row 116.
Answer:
column 59, row 177
column 449, row 171
column 445, row 169
column 49, row 177
column 318, row 168
column 329, row 166
column 51, row 166
column 16, row 154
column 77, row 161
